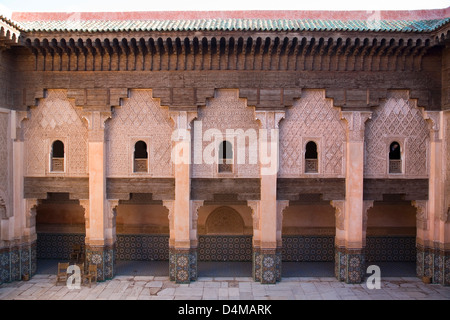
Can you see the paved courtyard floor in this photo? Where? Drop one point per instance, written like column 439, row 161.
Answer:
column 300, row 281
column 42, row 287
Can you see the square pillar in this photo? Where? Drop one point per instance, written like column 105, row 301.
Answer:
column 182, row 243
column 267, row 234
column 100, row 243
column 350, row 247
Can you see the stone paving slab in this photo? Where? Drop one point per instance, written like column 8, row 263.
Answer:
column 42, row 287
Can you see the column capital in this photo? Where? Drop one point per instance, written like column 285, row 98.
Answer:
column 433, row 118
column 367, row 204
column 422, row 213
column 195, row 205
column 96, row 124
column 269, row 119
column 281, row 206
column 16, row 123
column 339, row 206
column 356, row 123
column 254, row 205
column 182, row 118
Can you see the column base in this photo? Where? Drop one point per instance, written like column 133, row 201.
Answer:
column 183, row 265
column 266, row 265
column 17, row 262
column 434, row 265
column 104, row 258
column 349, row 265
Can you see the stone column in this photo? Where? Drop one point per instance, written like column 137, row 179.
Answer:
column 267, row 253
column 445, row 212
column 424, row 246
column 351, row 248
column 99, row 244
column 437, row 251
column 182, row 251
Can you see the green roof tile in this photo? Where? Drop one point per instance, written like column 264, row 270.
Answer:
column 233, row 25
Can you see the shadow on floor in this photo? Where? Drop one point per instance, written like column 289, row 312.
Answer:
column 307, row 269
column 238, row 269
column 224, row 269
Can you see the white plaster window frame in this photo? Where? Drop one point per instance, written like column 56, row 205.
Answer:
column 50, row 142
column 132, row 144
column 402, row 141
column 318, row 141
column 218, row 139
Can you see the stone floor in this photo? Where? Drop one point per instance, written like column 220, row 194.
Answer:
column 42, row 287
column 156, row 287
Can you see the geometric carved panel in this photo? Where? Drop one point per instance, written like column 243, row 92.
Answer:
column 225, row 112
column 397, row 119
column 55, row 118
column 312, row 117
column 139, row 118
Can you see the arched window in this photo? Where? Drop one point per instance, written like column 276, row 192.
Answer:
column 225, row 157
column 140, row 157
column 57, row 157
column 311, row 162
column 395, row 158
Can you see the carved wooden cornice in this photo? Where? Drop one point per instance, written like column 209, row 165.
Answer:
column 165, row 51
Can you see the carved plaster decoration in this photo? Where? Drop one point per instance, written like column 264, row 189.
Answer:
column 4, row 170
column 55, row 118
column 170, row 205
column 140, row 117
column 281, row 207
column 195, row 206
column 313, row 115
column 444, row 215
column 226, row 116
column 422, row 213
column 254, row 205
column 356, row 121
column 339, row 206
column 3, row 210
column 85, row 204
column 367, row 204
column 397, row 117
column 30, row 212
column 96, row 124
column 269, row 119
column 111, row 212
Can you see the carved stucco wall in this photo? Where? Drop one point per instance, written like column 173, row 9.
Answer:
column 55, row 118
column 312, row 118
column 139, row 118
column 4, row 181
column 224, row 220
column 226, row 111
column 396, row 119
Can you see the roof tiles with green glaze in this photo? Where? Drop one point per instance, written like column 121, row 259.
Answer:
column 233, row 25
